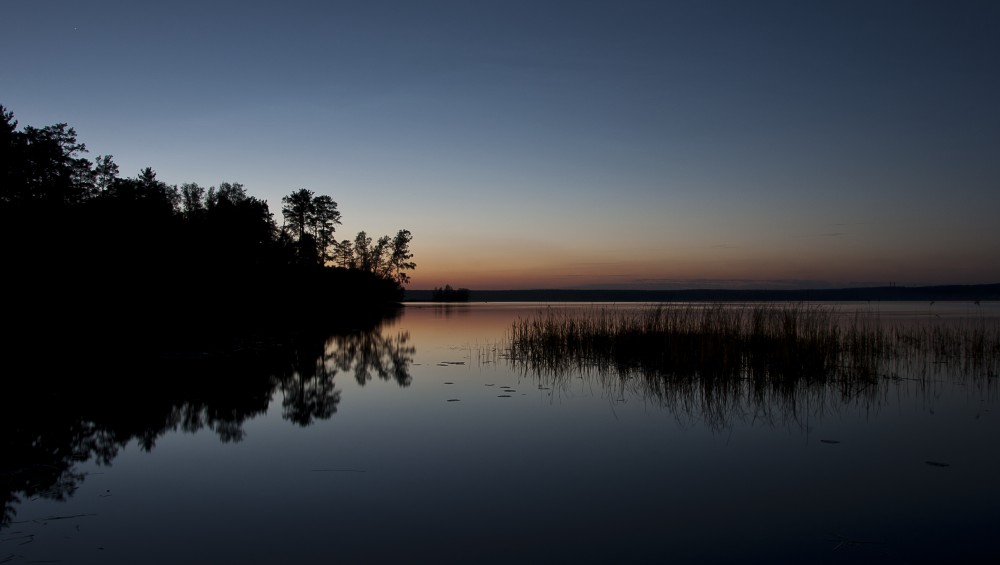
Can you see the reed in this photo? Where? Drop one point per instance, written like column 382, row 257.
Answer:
column 719, row 356
column 739, row 341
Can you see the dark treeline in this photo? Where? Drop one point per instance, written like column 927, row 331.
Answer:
column 449, row 294
column 971, row 293
column 104, row 262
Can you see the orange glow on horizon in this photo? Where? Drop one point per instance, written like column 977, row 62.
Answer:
column 677, row 273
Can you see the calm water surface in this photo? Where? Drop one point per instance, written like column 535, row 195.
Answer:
column 420, row 442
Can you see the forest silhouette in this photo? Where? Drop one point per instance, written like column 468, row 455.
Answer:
column 98, row 263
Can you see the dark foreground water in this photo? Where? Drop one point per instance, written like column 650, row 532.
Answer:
column 420, row 442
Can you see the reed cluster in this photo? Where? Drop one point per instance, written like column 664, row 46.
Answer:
column 760, row 362
column 761, row 343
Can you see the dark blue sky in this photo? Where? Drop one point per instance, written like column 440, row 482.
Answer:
column 561, row 143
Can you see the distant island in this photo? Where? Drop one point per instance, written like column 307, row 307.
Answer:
column 972, row 293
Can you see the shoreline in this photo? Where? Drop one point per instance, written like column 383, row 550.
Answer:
column 951, row 293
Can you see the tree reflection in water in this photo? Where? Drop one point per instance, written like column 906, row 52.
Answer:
column 387, row 357
column 308, row 388
column 50, row 423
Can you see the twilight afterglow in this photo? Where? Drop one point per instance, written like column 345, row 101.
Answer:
column 561, row 144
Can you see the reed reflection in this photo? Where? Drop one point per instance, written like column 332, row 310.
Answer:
column 727, row 364
column 49, row 425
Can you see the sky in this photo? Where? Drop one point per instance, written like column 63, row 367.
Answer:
column 560, row 144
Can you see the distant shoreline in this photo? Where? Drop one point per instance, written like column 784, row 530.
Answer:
column 971, row 293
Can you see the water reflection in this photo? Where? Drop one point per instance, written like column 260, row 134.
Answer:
column 386, row 356
column 51, row 423
column 449, row 309
column 307, row 387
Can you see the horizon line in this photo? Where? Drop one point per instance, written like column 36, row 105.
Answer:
column 709, row 288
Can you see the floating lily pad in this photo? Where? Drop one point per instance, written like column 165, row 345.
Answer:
column 503, row 396
column 449, row 383
column 454, row 400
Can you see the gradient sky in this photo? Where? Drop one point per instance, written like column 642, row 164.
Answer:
column 639, row 144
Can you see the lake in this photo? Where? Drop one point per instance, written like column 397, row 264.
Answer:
column 419, row 440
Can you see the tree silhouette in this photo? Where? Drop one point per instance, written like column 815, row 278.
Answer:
column 164, row 266
column 297, row 209
column 388, row 258
column 43, row 166
column 310, row 221
column 192, row 200
column 105, row 172
column 400, row 257
column 325, row 217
